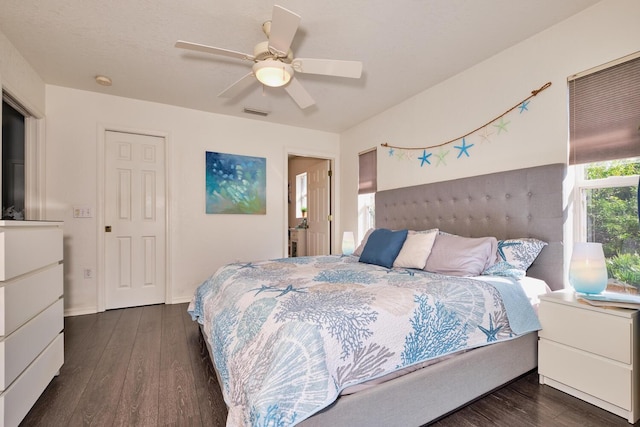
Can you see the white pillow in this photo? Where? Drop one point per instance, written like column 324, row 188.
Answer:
column 416, row 249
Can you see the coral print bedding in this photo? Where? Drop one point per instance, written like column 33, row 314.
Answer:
column 288, row 335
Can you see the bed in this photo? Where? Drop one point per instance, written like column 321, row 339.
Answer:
column 507, row 205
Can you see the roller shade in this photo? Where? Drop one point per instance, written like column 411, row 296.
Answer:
column 367, row 172
column 604, row 114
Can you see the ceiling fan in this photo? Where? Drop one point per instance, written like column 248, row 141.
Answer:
column 274, row 63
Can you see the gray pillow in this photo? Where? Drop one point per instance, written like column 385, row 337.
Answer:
column 461, row 256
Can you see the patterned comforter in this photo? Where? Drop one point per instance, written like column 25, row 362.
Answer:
column 288, row 335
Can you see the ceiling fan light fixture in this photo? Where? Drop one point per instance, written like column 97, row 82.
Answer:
column 273, row 73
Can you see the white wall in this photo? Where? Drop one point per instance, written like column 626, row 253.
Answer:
column 19, row 79
column 602, row 33
column 199, row 243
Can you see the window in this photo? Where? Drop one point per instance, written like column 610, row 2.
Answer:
column 367, row 187
column 13, row 160
column 301, row 195
column 604, row 107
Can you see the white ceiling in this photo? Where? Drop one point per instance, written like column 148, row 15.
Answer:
column 406, row 46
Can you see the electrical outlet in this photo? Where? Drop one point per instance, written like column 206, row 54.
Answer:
column 88, row 273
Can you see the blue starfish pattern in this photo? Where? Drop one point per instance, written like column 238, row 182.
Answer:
column 425, row 158
column 523, row 106
column 391, row 151
column 463, row 148
column 265, row 288
column 503, row 244
column 247, row 265
column 492, row 332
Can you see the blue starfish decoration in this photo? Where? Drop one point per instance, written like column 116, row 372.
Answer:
column 425, row 158
column 502, row 244
column 492, row 332
column 523, row 106
column 463, row 148
column 391, row 151
column 502, row 126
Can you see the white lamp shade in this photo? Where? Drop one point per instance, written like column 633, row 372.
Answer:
column 348, row 243
column 273, row 73
column 588, row 269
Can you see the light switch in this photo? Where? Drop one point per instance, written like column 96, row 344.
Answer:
column 82, row 212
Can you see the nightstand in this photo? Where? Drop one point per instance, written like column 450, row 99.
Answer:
column 590, row 352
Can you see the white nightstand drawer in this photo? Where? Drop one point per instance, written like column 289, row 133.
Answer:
column 594, row 375
column 592, row 331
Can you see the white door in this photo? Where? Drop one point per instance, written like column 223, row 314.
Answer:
column 318, row 209
column 134, row 220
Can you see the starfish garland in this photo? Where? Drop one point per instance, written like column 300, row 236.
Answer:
column 463, row 148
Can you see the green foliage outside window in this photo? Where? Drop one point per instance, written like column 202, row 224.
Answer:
column 612, row 219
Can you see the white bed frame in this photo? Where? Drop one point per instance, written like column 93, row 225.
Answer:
column 512, row 204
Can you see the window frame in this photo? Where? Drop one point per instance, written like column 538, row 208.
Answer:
column 579, row 196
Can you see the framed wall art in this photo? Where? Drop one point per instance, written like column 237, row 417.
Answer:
column 235, row 184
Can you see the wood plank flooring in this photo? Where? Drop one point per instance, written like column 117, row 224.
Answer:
column 147, row 366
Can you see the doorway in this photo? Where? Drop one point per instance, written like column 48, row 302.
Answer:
column 134, row 219
column 310, row 220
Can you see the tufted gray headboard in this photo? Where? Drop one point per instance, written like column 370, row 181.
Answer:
column 511, row 204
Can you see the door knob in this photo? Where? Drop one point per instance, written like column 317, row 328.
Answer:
column 107, row 229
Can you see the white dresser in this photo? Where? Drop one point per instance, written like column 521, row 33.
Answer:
column 590, row 352
column 31, row 314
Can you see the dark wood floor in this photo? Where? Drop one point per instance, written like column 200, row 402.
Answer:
column 147, row 366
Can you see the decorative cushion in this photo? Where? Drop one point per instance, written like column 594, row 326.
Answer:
column 362, row 244
column 503, row 268
column 383, row 246
column 416, row 249
column 461, row 256
column 520, row 253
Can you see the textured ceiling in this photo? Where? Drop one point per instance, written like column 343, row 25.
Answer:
column 406, row 46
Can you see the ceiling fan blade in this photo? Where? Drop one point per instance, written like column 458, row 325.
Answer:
column 235, row 89
column 214, row 50
column 299, row 94
column 328, row 67
column 284, row 25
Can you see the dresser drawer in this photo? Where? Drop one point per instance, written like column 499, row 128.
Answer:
column 25, row 249
column 16, row 401
column 600, row 333
column 605, row 379
column 21, row 347
column 28, row 295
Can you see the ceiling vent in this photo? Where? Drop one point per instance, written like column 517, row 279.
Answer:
column 256, row 112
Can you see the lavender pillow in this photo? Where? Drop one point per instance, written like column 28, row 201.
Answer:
column 461, row 256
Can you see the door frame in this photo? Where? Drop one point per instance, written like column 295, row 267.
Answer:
column 334, row 164
column 100, row 191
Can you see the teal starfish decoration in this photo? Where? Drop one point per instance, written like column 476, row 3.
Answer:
column 523, row 106
column 463, row 148
column 391, row 151
column 492, row 332
column 441, row 155
column 425, row 158
column 502, row 126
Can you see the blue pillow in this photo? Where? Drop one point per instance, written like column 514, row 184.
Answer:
column 383, row 246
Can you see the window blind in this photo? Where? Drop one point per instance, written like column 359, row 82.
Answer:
column 604, row 114
column 367, row 172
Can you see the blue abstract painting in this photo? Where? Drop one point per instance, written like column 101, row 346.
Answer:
column 235, row 184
